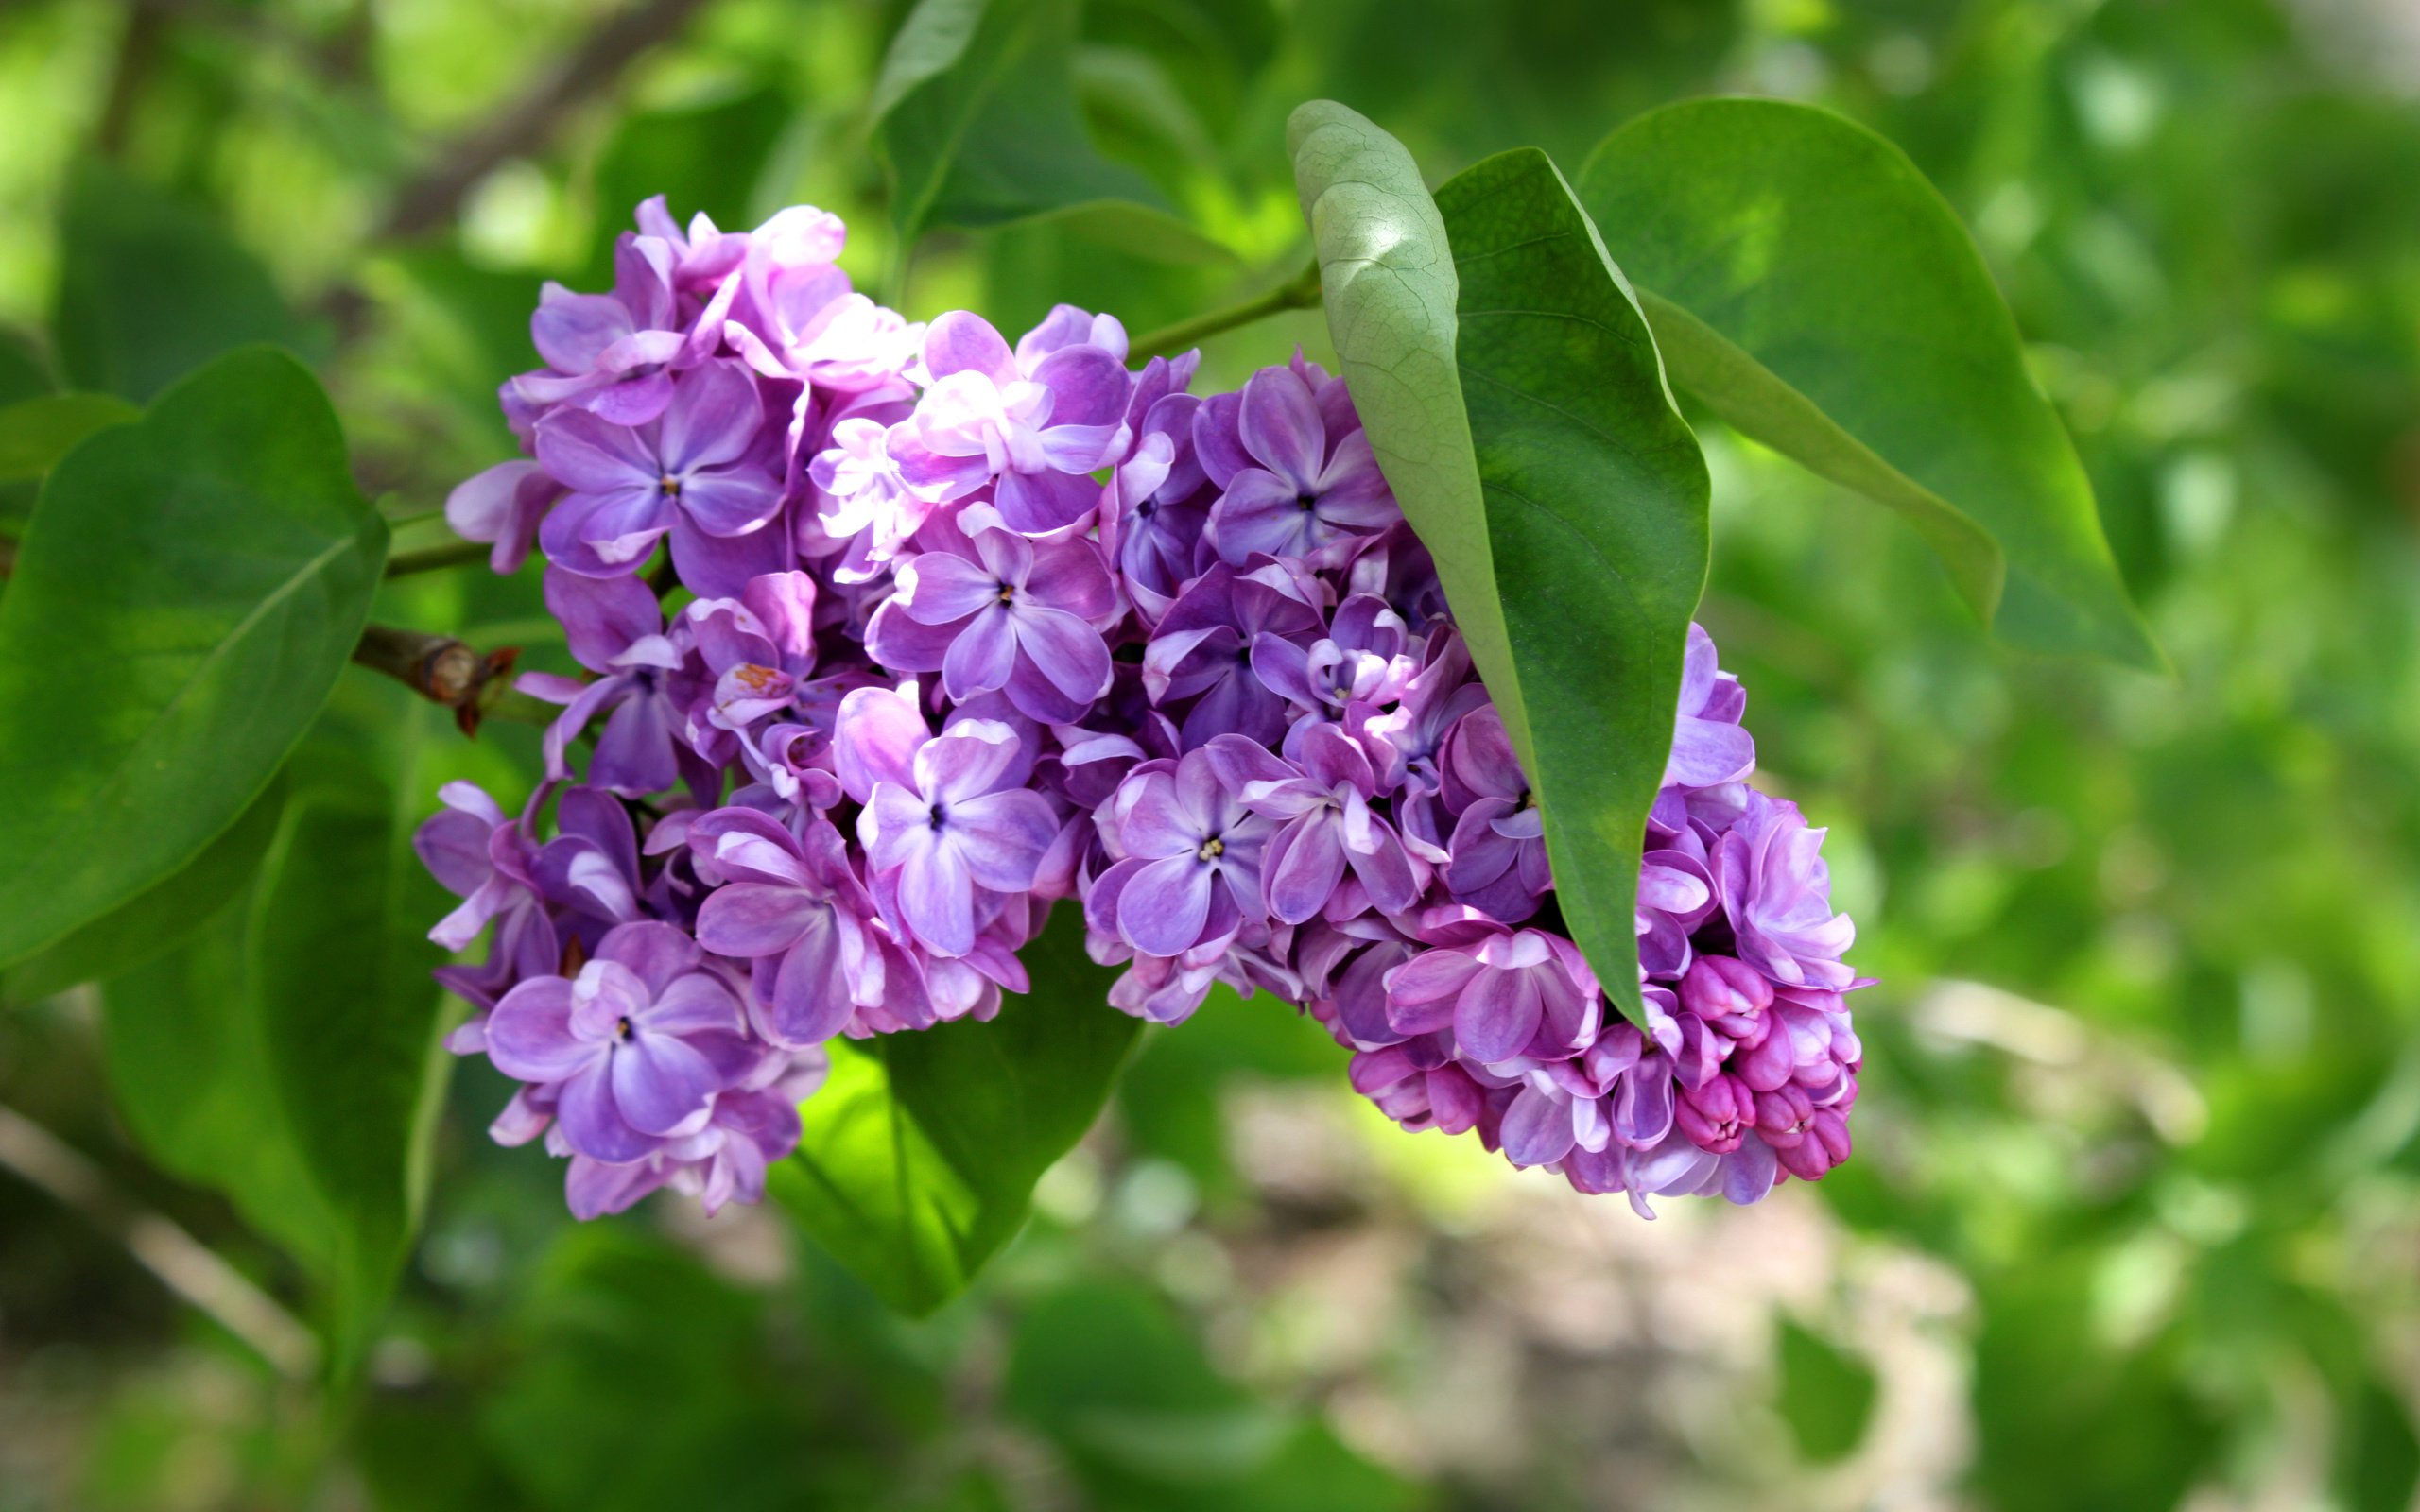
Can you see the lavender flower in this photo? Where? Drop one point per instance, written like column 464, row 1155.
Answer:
column 637, row 1045
column 978, row 626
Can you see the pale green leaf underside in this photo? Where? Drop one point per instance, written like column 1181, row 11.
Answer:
column 1387, row 278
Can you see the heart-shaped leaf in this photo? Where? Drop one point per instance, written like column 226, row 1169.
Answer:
column 185, row 596
column 1815, row 291
column 922, row 1150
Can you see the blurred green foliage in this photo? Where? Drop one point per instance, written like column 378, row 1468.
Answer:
column 2142, row 1086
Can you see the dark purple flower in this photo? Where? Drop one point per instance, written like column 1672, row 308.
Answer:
column 1190, row 874
column 1360, row 660
column 1155, row 508
column 616, row 628
column 1303, row 494
column 1000, row 611
column 503, row 505
column 944, row 817
column 1499, row 847
column 632, row 485
column 759, row 647
column 638, row 1044
column 749, row 1128
column 610, row 353
column 487, row 860
column 1322, row 799
column 1777, row 894
column 1035, row 434
column 1202, row 649
column 1499, row 993
column 1407, row 741
column 791, row 906
column 1709, row 748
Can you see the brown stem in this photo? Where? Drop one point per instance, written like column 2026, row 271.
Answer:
column 445, row 670
column 431, row 201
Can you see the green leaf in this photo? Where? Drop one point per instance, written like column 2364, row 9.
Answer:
column 1388, row 282
column 159, row 920
column 340, row 962
column 36, row 433
column 1103, row 1371
column 922, row 1150
column 1595, row 519
column 186, row 593
column 1838, row 312
column 975, row 114
column 188, row 1070
column 2377, row 1453
column 150, row 288
column 1826, row 1395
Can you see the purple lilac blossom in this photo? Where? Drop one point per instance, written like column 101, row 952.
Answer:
column 976, row 627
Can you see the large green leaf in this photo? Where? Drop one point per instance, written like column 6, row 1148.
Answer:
column 974, row 113
column 922, row 1150
column 186, row 593
column 150, row 289
column 158, row 920
column 1824, row 299
column 1596, row 518
column 340, row 963
column 1388, row 282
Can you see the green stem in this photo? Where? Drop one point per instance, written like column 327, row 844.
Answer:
column 437, row 558
column 398, row 521
column 1301, row 292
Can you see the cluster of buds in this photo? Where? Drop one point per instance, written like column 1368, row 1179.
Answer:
column 966, row 628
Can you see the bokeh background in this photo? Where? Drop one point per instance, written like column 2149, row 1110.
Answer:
column 2135, row 1218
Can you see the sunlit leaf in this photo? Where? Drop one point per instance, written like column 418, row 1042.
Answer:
column 1825, row 300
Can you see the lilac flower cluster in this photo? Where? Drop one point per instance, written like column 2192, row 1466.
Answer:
column 965, row 628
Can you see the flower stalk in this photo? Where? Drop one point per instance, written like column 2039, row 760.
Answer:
column 446, row 671
column 1301, row 292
